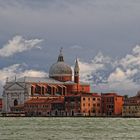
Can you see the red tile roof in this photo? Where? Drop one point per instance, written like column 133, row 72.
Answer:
column 43, row 100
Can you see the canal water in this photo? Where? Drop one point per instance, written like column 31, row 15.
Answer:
column 69, row 128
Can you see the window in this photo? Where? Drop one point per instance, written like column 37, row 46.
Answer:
column 94, row 99
column 84, row 99
column 15, row 102
column 83, row 104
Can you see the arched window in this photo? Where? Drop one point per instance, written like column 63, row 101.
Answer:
column 32, row 90
column 15, row 102
column 56, row 113
column 72, row 113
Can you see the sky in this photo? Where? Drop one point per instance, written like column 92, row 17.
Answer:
column 103, row 34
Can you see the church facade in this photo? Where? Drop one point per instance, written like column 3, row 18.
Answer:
column 59, row 83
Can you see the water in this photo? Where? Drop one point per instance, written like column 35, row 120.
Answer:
column 69, row 129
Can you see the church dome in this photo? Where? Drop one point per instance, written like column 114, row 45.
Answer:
column 60, row 69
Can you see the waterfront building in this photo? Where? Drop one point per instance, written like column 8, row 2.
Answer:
column 83, row 104
column 59, row 83
column 97, row 104
column 0, row 104
column 44, row 106
column 76, row 104
column 131, row 106
column 112, row 104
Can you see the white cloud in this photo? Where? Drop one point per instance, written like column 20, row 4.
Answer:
column 9, row 72
column 17, row 45
column 100, row 58
column 123, row 80
column 118, row 75
column 34, row 73
column 136, row 50
column 76, row 47
column 87, row 69
column 113, row 75
column 131, row 60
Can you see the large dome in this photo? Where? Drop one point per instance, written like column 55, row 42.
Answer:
column 60, row 70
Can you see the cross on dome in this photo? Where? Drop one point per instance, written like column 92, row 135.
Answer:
column 61, row 49
column 60, row 57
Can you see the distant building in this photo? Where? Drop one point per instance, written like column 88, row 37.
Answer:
column 44, row 106
column 59, row 83
column 97, row 104
column 131, row 107
column 78, row 104
column 112, row 104
column 83, row 104
column 60, row 94
column 0, row 104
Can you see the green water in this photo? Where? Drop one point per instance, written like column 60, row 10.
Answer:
column 69, row 129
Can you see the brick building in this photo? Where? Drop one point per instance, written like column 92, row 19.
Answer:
column 78, row 104
column 0, row 104
column 83, row 104
column 112, row 104
column 44, row 106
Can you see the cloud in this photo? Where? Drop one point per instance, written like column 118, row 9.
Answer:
column 131, row 60
column 76, row 47
column 120, row 79
column 17, row 45
column 103, row 72
column 33, row 73
column 98, row 63
column 122, row 75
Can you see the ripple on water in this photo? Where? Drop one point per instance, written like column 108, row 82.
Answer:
column 69, row 128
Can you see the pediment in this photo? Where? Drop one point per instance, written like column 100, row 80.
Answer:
column 15, row 86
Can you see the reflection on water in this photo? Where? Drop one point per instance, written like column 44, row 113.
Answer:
column 69, row 129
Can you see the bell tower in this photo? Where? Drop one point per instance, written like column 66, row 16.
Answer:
column 76, row 72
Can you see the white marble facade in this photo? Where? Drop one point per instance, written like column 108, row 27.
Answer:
column 15, row 93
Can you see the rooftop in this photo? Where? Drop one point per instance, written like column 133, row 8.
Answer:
column 36, row 80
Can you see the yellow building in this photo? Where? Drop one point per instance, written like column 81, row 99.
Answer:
column 131, row 107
